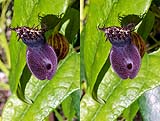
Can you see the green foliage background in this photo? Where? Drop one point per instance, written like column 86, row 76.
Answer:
column 46, row 95
column 118, row 94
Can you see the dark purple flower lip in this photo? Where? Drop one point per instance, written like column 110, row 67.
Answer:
column 125, row 61
column 42, row 62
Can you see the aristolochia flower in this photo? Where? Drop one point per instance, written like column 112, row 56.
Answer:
column 41, row 58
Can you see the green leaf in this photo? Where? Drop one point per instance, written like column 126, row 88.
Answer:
column 148, row 21
column 26, row 14
column 149, row 104
column 50, row 21
column 3, row 68
column 130, row 112
column 71, row 105
column 46, row 95
column 68, row 109
column 73, row 25
column 3, row 43
column 98, row 81
column 120, row 94
column 96, row 49
column 4, row 86
column 22, row 84
column 82, row 73
column 76, row 103
column 58, row 115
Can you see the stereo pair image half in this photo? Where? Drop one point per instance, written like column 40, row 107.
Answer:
column 79, row 60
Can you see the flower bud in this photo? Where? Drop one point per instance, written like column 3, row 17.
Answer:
column 59, row 44
column 139, row 43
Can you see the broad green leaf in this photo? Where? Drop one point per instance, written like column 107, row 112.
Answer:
column 26, row 14
column 149, row 104
column 96, row 49
column 120, row 94
column 46, row 95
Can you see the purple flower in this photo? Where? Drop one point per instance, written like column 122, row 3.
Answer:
column 124, row 55
column 41, row 58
